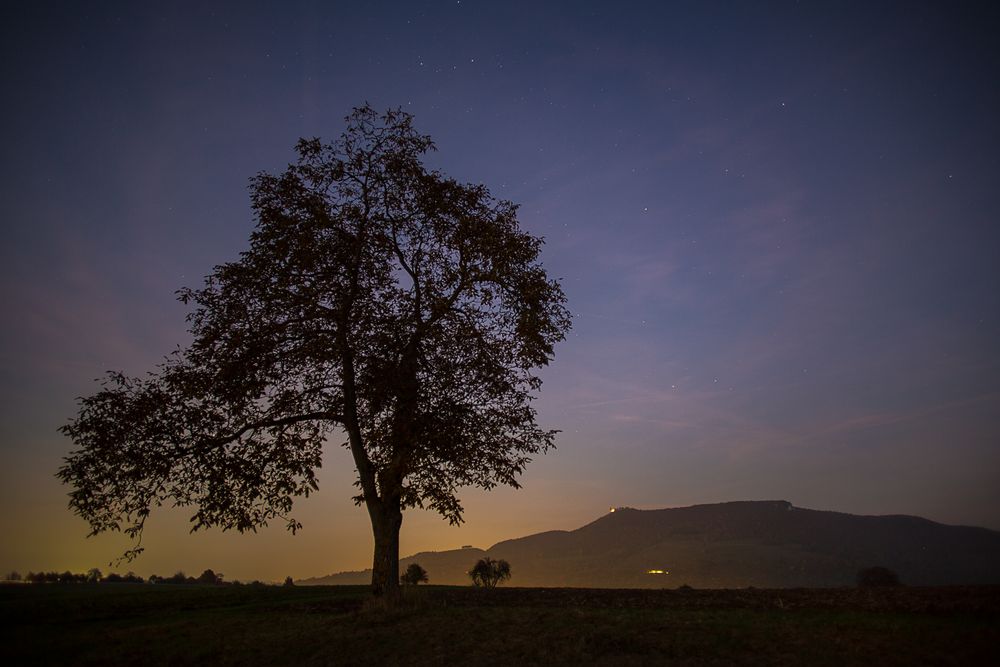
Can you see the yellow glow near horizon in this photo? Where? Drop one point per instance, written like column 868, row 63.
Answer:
column 657, row 572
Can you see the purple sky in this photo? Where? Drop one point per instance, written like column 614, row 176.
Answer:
column 777, row 226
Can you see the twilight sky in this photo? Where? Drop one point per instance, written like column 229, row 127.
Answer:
column 778, row 226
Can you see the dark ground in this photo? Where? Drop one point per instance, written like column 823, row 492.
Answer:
column 163, row 625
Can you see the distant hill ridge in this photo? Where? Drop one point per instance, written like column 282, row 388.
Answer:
column 727, row 545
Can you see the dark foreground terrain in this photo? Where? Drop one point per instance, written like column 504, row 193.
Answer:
column 153, row 625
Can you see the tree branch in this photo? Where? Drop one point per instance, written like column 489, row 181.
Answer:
column 284, row 421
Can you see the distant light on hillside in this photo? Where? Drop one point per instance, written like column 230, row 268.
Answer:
column 657, row 572
column 611, row 509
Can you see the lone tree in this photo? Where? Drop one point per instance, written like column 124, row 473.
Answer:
column 377, row 298
column 210, row 577
column 414, row 575
column 487, row 572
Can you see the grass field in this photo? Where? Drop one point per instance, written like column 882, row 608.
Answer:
column 163, row 625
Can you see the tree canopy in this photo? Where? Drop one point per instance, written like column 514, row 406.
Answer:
column 378, row 299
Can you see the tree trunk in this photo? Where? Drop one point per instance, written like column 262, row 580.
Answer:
column 386, row 522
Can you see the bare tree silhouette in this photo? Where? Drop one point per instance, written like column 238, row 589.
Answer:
column 378, row 298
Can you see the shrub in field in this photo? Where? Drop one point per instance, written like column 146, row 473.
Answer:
column 487, row 573
column 877, row 577
column 210, row 577
column 414, row 575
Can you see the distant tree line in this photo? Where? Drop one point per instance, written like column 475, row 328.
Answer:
column 486, row 573
column 95, row 576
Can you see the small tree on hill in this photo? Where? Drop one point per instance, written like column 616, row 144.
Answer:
column 487, row 572
column 414, row 575
column 289, row 582
column 877, row 577
column 210, row 577
column 378, row 299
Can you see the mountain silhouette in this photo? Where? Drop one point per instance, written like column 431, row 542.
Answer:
column 767, row 544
